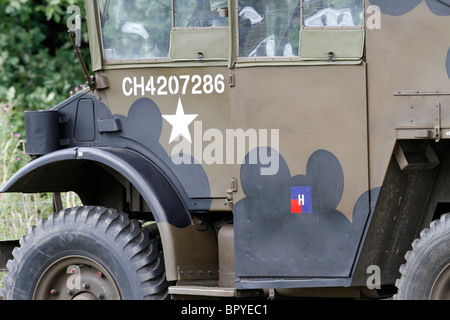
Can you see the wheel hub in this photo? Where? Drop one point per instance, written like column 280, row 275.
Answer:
column 76, row 278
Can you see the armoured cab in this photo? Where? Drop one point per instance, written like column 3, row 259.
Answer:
column 243, row 148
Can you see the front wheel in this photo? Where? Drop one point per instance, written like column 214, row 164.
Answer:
column 426, row 273
column 87, row 253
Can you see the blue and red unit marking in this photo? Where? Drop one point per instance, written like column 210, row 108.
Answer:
column 301, row 200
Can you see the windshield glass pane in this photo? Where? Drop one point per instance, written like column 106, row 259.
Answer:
column 199, row 13
column 269, row 28
column 332, row 13
column 135, row 29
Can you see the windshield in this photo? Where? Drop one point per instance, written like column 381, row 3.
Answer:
column 133, row 29
column 199, row 13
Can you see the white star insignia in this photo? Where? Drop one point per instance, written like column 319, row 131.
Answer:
column 180, row 123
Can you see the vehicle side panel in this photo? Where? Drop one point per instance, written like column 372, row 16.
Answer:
column 321, row 115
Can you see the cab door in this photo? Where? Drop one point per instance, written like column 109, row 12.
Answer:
column 303, row 198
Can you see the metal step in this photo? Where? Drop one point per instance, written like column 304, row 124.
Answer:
column 207, row 291
column 203, row 291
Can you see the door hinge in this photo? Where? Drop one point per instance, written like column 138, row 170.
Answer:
column 233, row 188
column 231, row 80
column 437, row 121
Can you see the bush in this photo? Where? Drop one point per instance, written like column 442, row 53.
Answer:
column 37, row 64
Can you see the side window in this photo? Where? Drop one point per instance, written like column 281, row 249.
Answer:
column 268, row 28
column 200, row 31
column 332, row 30
column 332, row 13
column 306, row 29
column 199, row 13
column 133, row 29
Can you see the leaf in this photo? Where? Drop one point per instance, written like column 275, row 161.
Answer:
column 10, row 95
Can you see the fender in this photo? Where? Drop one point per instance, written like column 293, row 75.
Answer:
column 61, row 170
column 164, row 200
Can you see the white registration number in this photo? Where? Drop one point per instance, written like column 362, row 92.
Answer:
column 173, row 85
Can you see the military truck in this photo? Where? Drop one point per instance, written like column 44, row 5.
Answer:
column 246, row 148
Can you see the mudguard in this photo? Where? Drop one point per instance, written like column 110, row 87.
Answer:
column 60, row 171
column 165, row 201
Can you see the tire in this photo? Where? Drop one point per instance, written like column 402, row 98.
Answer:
column 426, row 273
column 87, row 253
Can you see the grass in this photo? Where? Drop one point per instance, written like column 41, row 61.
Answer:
column 18, row 212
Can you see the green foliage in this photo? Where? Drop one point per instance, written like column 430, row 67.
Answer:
column 16, row 214
column 12, row 155
column 38, row 67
